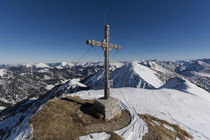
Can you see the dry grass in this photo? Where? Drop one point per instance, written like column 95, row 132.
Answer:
column 70, row 118
column 114, row 136
column 159, row 132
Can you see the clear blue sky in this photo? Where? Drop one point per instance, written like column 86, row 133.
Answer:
column 56, row 30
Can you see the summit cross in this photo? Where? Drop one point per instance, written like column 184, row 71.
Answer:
column 105, row 44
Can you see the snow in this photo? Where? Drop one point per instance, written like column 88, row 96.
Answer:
column 147, row 74
column 2, row 72
column 28, row 65
column 137, row 127
column 46, row 77
column 96, row 136
column 185, row 85
column 43, row 70
column 71, row 86
column 64, row 64
column 17, row 125
column 115, row 65
column 49, row 87
column 4, row 100
column 192, row 88
column 153, row 65
column 159, row 68
column 191, row 112
column 2, row 108
column 203, row 74
column 76, row 82
column 38, row 65
column 88, row 64
column 178, row 102
column 168, row 127
column 128, row 75
column 41, row 65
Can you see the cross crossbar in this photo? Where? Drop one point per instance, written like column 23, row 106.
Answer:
column 102, row 44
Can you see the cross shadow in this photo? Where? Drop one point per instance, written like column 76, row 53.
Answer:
column 86, row 108
column 70, row 100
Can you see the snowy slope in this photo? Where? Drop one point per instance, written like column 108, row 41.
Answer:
column 147, row 74
column 189, row 111
column 196, row 71
column 186, row 86
column 130, row 75
column 16, row 123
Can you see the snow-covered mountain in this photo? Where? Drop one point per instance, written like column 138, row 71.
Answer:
column 196, row 71
column 133, row 74
column 163, row 73
column 33, row 80
column 19, row 82
column 186, row 86
column 15, row 87
column 169, row 93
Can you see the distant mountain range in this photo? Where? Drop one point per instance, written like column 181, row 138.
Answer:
column 19, row 82
column 176, row 91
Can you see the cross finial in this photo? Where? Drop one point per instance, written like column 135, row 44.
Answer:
column 107, row 33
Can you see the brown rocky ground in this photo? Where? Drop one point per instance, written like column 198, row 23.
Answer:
column 157, row 129
column 71, row 117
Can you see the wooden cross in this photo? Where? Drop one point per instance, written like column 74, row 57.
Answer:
column 105, row 44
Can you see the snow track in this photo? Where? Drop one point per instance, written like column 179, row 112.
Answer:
column 137, row 127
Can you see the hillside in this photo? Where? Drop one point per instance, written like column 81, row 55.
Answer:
column 190, row 112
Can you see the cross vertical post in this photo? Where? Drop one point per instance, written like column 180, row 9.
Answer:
column 106, row 65
column 105, row 44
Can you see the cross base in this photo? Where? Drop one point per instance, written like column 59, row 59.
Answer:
column 110, row 107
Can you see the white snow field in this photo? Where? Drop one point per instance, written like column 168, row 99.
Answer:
column 186, row 86
column 191, row 112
